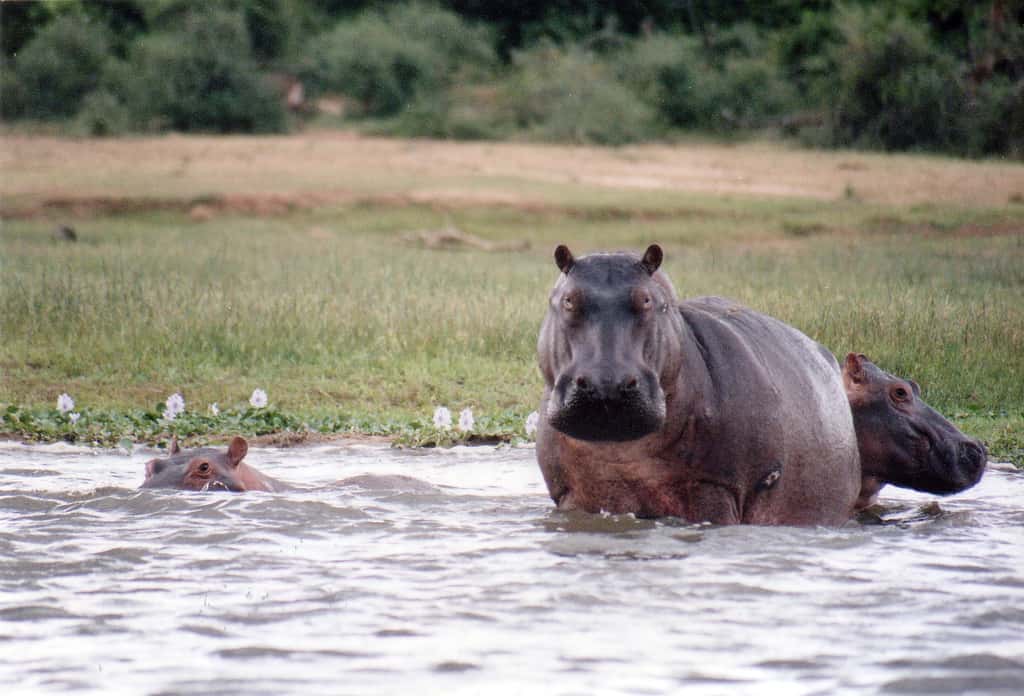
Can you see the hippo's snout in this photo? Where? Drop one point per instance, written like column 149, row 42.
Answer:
column 608, row 388
column 610, row 406
column 972, row 460
column 956, row 467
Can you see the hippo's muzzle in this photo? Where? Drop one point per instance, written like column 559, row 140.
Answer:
column 970, row 465
column 612, row 407
column 954, row 467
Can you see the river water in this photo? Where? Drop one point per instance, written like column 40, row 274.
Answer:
column 474, row 584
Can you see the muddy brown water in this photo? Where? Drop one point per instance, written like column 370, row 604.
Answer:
column 474, row 584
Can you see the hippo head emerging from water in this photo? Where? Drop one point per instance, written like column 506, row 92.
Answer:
column 902, row 440
column 603, row 347
column 206, row 469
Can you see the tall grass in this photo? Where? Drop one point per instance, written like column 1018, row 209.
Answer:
column 332, row 311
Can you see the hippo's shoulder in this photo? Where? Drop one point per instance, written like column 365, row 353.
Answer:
column 711, row 312
column 711, row 317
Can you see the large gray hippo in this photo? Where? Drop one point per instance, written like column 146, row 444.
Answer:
column 902, row 440
column 702, row 409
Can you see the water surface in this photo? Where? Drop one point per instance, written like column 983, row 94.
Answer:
column 474, row 584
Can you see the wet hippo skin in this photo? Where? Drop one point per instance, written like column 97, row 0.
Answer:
column 208, row 468
column 902, row 440
column 702, row 409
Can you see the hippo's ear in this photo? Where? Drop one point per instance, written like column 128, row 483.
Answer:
column 564, row 259
column 237, row 450
column 652, row 258
column 853, row 368
column 173, row 447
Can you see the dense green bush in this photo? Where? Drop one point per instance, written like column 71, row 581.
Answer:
column 747, row 93
column 995, row 119
column 672, row 75
column 463, row 113
column 52, row 74
column 663, row 70
column 383, row 60
column 573, row 96
column 199, row 77
column 102, row 114
column 804, row 53
column 894, row 88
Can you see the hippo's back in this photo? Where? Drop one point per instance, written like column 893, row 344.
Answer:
column 780, row 414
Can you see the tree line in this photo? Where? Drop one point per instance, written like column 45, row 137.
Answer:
column 921, row 75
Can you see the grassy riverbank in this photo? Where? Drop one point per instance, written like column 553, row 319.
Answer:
column 212, row 267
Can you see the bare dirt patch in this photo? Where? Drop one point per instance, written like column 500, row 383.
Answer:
column 271, row 175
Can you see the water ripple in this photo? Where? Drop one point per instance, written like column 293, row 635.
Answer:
column 449, row 572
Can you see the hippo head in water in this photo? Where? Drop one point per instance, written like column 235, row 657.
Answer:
column 604, row 347
column 904, row 441
column 201, row 469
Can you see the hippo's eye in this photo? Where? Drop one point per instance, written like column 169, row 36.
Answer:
column 203, row 468
column 900, row 394
column 569, row 305
column 647, row 302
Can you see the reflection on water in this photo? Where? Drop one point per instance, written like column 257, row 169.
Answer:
column 466, row 581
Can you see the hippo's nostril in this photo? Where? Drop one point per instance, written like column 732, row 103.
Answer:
column 581, row 382
column 973, row 451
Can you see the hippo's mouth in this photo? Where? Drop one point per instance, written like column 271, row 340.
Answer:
column 218, row 485
column 600, row 420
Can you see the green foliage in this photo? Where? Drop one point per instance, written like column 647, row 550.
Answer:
column 672, row 75
column 747, row 93
column 937, row 75
column 57, row 68
column 459, row 113
column 382, row 60
column 664, row 71
column 805, row 56
column 995, row 118
column 103, row 114
column 199, row 77
column 894, row 88
column 573, row 96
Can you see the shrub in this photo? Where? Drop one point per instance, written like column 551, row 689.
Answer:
column 804, row 51
column 384, row 59
column 56, row 69
column 894, row 88
column 201, row 77
column 663, row 71
column 467, row 113
column 746, row 93
column 103, row 114
column 670, row 74
column 994, row 121
column 570, row 95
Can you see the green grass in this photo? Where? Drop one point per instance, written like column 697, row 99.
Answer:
column 349, row 329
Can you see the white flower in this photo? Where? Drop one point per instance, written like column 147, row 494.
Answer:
column 175, row 405
column 442, row 418
column 258, row 398
column 73, row 417
column 531, row 423
column 214, row 409
column 466, row 420
column 65, row 403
